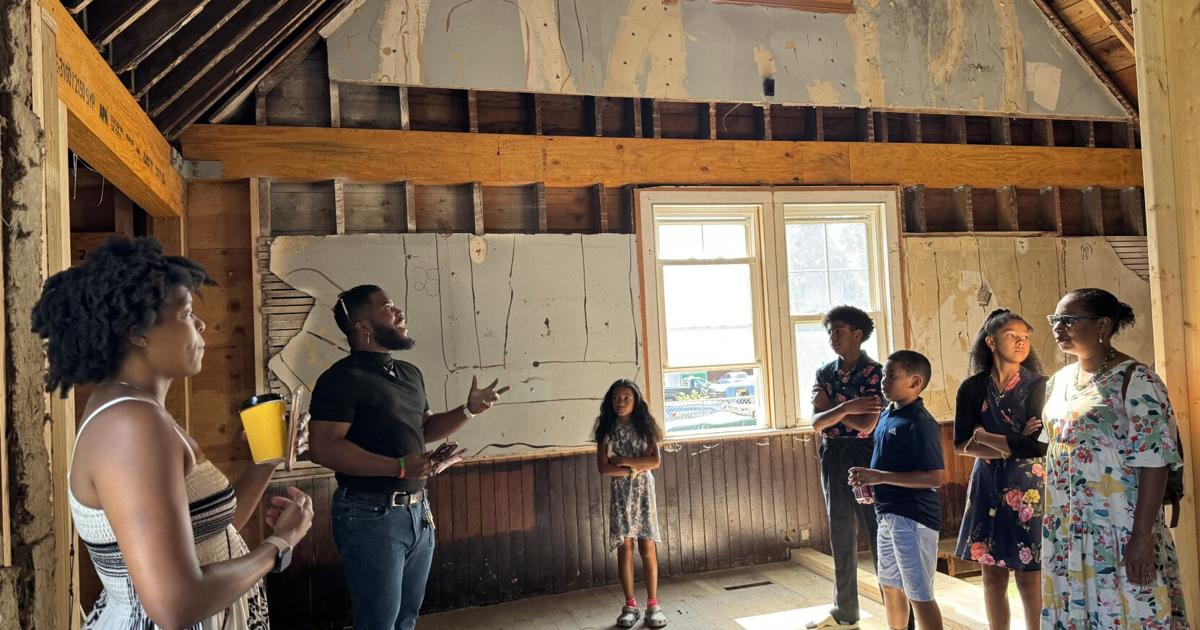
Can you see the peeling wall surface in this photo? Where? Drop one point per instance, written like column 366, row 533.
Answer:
column 954, row 282
column 998, row 56
column 556, row 317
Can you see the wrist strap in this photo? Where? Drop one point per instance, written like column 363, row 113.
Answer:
column 466, row 409
column 279, row 543
column 402, row 470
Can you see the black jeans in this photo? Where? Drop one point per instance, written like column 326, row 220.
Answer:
column 838, row 456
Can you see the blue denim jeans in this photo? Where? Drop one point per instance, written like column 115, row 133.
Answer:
column 386, row 555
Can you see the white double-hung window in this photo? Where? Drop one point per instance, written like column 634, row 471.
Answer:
column 736, row 282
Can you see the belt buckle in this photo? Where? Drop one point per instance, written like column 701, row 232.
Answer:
column 394, row 502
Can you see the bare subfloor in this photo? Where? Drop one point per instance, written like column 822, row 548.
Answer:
column 778, row 596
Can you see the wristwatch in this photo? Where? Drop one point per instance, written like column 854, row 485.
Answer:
column 284, row 555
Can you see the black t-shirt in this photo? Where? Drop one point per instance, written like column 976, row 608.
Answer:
column 384, row 401
column 908, row 440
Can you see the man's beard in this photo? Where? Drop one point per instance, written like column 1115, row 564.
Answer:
column 391, row 339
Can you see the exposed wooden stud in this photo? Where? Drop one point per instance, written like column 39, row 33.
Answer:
column 912, row 127
column 1128, row 134
column 597, row 118
column 601, row 202
column 405, row 114
column 1133, row 211
column 1043, row 132
column 819, row 124
column 1081, row 50
column 264, row 206
column 1007, row 217
column 45, row 33
column 1085, row 134
column 956, row 128
column 655, row 119
column 339, row 206
column 914, row 209
column 765, row 111
column 260, row 107
column 537, row 114
column 1001, row 130
column 960, row 202
column 882, row 129
column 335, row 104
column 477, row 206
column 410, row 207
column 539, row 192
column 630, row 207
column 1051, row 209
column 637, row 118
column 712, row 121
column 256, row 288
column 866, row 124
column 1169, row 91
column 472, row 111
column 1093, row 211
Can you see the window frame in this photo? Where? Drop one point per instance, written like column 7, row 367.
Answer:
column 772, row 308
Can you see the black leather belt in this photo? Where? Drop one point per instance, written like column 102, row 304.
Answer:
column 390, row 499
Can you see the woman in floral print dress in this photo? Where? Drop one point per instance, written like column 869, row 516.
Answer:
column 997, row 418
column 1108, row 559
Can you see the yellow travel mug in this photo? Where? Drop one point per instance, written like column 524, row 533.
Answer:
column 263, row 419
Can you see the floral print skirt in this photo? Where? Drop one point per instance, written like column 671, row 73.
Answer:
column 1002, row 525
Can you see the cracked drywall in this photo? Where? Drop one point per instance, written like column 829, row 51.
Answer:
column 556, row 317
column 935, row 54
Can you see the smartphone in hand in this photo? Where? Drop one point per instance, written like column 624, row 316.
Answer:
column 446, row 456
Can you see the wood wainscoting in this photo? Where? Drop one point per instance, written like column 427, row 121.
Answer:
column 533, row 525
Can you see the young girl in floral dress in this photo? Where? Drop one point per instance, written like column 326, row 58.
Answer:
column 627, row 439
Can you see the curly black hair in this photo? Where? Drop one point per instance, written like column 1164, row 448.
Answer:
column 86, row 313
column 851, row 316
column 643, row 423
column 350, row 305
column 981, row 354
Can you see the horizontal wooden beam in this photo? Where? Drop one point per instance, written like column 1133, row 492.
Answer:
column 106, row 126
column 438, row 158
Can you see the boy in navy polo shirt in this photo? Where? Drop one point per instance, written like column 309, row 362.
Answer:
column 906, row 467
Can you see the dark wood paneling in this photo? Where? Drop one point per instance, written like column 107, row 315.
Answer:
column 536, row 525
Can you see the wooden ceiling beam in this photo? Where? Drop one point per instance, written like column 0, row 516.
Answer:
column 1087, row 57
column 106, row 126
column 1112, row 21
column 154, row 28
column 273, row 41
column 269, row 76
column 187, row 41
column 448, row 158
column 76, row 6
column 108, row 19
column 213, row 51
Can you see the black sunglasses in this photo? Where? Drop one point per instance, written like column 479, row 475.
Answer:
column 1068, row 320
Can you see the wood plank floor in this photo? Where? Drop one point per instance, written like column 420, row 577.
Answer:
column 790, row 597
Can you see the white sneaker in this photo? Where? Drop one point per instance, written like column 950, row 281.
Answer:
column 629, row 616
column 830, row 622
column 655, row 617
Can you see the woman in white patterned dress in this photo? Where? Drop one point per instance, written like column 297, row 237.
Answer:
column 1108, row 559
column 160, row 522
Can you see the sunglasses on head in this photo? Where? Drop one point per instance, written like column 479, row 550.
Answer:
column 1068, row 320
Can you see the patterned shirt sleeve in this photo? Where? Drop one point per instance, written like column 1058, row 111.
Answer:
column 1152, row 430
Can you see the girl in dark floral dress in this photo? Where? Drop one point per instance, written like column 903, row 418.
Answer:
column 997, row 419
column 627, row 439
